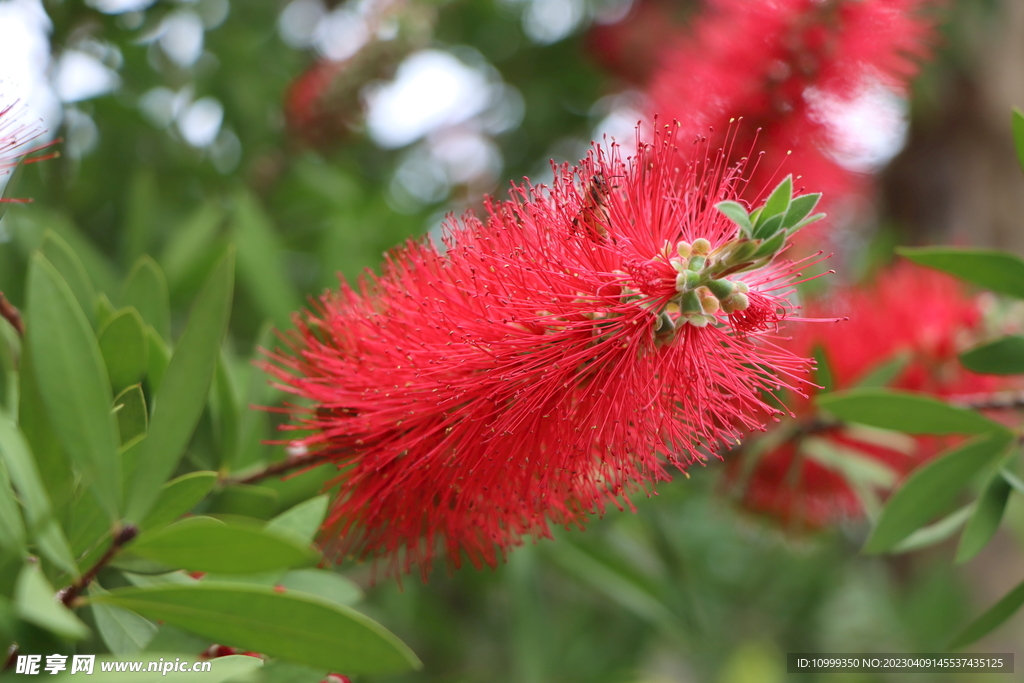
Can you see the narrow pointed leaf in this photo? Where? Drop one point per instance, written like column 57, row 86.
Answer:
column 735, row 212
column 778, row 202
column 303, row 520
column 936, row 532
column 999, row 271
column 73, row 382
column 132, row 417
column 146, row 290
column 123, row 631
column 207, row 545
column 34, row 602
column 323, row 584
column 906, row 412
column 799, row 209
column 1001, row 357
column 769, row 228
column 987, row 622
column 289, row 625
column 177, row 497
column 260, row 267
column 183, row 390
column 125, row 348
column 40, row 522
column 985, row 518
column 882, row 375
column 931, row 489
column 67, row 263
column 12, row 526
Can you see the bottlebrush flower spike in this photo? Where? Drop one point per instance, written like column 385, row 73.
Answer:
column 775, row 62
column 545, row 362
column 914, row 321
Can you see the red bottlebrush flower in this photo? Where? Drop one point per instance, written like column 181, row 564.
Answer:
column 15, row 138
column 543, row 363
column 774, row 62
column 909, row 312
column 631, row 48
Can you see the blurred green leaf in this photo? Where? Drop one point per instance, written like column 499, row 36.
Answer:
column 132, row 417
column 159, row 357
column 260, row 265
column 123, row 631
column 254, row 424
column 303, row 520
column 73, row 382
column 141, row 214
column 64, row 260
column 931, row 488
column 1017, row 123
column 999, row 271
column 207, row 545
column 183, row 391
column 177, row 497
column 885, row 373
column 258, row 502
column 12, row 526
column 987, row 622
column 125, row 348
column 822, row 370
column 230, row 668
column 1001, row 357
column 906, row 412
column 987, row 514
column 34, row 602
column 42, row 526
column 190, row 243
column 225, row 412
column 324, row 584
column 936, row 532
column 853, row 464
column 292, row 626
column 146, row 291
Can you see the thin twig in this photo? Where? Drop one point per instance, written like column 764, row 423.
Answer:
column 1000, row 400
column 292, row 462
column 68, row 595
column 11, row 314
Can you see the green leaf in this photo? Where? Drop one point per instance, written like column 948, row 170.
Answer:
column 235, row 668
column 292, row 626
column 777, row 203
column 73, row 382
column 41, row 524
column 1001, row 357
column 146, row 290
column 12, row 526
column 207, row 545
column 132, row 417
column 906, row 412
column 885, row 373
column 177, row 497
column 996, row 270
column 303, row 520
column 183, row 391
column 987, row 622
column 34, row 602
column 854, row 465
column 985, row 519
column 125, row 348
column 771, row 246
column 1017, row 123
column 123, row 631
column 930, row 489
column 225, row 411
column 737, row 213
column 159, row 359
column 324, row 584
column 771, row 227
column 190, row 242
column 260, row 267
column 934, row 533
column 822, row 369
column 61, row 256
column 799, row 209
column 258, row 502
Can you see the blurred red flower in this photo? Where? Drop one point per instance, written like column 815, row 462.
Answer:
column 913, row 318
column 542, row 363
column 775, row 62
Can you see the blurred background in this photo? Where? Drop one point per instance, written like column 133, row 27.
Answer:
column 316, row 134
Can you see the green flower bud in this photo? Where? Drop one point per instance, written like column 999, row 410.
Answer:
column 701, row 247
column 737, row 301
column 721, row 288
column 684, row 249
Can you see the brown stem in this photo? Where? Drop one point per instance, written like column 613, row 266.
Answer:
column 290, row 463
column 11, row 314
column 1000, row 400
column 68, row 595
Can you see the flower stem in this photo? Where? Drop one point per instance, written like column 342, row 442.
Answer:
column 280, row 467
column 68, row 595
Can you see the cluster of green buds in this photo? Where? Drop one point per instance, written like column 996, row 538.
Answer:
column 704, row 280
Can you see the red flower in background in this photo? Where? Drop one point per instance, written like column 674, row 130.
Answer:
column 909, row 312
column 543, row 363
column 770, row 61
